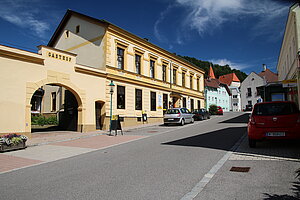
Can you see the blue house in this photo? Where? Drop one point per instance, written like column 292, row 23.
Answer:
column 216, row 92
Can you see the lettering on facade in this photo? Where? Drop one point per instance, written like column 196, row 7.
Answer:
column 59, row 56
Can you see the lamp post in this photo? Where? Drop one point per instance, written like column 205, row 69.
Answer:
column 111, row 91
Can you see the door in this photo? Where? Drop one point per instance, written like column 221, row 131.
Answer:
column 98, row 107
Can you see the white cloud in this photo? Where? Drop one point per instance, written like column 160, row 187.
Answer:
column 19, row 13
column 205, row 16
column 209, row 14
column 162, row 16
column 233, row 65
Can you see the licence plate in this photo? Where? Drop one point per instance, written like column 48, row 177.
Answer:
column 275, row 134
column 170, row 119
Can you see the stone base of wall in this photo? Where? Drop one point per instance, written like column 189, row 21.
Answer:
column 84, row 128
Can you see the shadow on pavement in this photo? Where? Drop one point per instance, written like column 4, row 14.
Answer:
column 240, row 119
column 46, row 129
column 221, row 139
column 225, row 139
column 295, row 188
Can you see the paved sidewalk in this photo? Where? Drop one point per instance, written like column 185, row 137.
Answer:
column 59, row 150
column 50, row 146
column 43, row 138
column 271, row 174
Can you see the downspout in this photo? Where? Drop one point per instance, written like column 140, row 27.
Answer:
column 171, row 66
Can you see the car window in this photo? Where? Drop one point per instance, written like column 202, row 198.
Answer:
column 275, row 109
column 187, row 111
column 183, row 110
column 173, row 111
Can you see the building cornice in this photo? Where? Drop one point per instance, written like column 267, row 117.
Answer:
column 118, row 32
column 121, row 78
column 21, row 57
column 91, row 71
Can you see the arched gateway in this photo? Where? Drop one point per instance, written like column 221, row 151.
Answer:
column 23, row 73
column 72, row 115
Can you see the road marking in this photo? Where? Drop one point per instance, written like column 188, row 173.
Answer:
column 252, row 156
column 208, row 176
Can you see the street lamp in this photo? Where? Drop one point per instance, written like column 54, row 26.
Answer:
column 111, row 91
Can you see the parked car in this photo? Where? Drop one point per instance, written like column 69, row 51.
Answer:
column 248, row 108
column 274, row 120
column 201, row 114
column 219, row 111
column 178, row 116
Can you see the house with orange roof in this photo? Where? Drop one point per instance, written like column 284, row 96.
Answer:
column 230, row 80
column 233, row 83
column 216, row 92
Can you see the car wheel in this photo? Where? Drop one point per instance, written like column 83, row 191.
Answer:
column 208, row 117
column 192, row 120
column 182, row 122
column 252, row 143
column 166, row 124
column 201, row 117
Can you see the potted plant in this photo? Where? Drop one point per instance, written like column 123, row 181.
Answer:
column 12, row 142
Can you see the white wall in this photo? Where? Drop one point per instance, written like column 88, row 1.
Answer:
column 252, row 81
column 88, row 44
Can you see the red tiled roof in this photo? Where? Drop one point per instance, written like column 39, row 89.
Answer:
column 229, row 78
column 211, row 73
column 269, row 76
column 214, row 83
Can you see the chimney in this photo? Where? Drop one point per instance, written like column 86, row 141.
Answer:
column 264, row 67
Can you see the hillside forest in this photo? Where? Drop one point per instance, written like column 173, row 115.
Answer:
column 218, row 69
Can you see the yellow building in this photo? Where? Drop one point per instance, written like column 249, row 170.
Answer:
column 84, row 55
column 288, row 61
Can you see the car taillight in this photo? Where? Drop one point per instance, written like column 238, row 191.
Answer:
column 252, row 120
column 179, row 115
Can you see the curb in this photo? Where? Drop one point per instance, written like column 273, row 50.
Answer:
column 92, row 135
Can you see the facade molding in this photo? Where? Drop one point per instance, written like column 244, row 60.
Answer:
column 21, row 57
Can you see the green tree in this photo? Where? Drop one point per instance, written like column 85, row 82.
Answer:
column 213, row 109
column 218, row 69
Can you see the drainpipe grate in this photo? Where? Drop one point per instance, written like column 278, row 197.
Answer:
column 240, row 169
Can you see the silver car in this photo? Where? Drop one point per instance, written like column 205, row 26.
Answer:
column 178, row 116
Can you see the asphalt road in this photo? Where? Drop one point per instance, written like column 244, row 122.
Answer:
column 166, row 165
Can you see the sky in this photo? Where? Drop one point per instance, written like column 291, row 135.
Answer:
column 241, row 33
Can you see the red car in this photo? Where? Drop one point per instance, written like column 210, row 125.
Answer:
column 219, row 111
column 274, row 120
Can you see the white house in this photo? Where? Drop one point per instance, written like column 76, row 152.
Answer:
column 235, row 104
column 249, row 94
